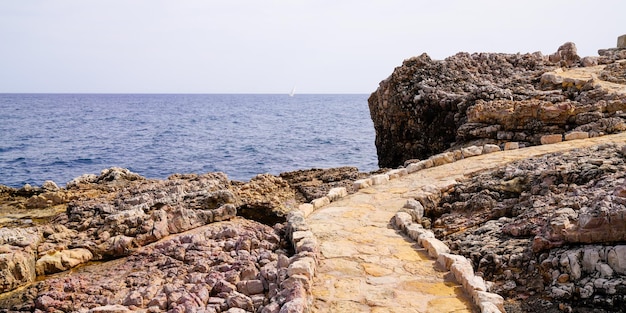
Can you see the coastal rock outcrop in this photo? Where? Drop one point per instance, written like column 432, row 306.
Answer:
column 545, row 230
column 191, row 242
column 316, row 183
column 427, row 106
column 18, row 247
column 238, row 264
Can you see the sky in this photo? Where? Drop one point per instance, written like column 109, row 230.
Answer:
column 270, row 46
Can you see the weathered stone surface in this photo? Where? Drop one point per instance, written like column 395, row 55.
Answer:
column 306, row 209
column 435, row 247
column 304, row 266
column 337, row 193
column 471, row 151
column 566, row 55
column 511, row 146
column 550, row 139
column 320, row 202
column 18, row 249
column 617, row 259
column 226, row 263
column 428, row 106
column 414, row 167
column 316, row 183
column 553, row 224
column 415, row 209
column 362, row 183
column 621, row 42
column 576, row 135
column 397, row 173
column 59, row 261
column 17, row 268
column 443, row 158
column 490, row 148
column 117, row 214
column 380, row 179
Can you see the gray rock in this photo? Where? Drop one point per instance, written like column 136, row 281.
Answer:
column 621, row 42
column 616, row 258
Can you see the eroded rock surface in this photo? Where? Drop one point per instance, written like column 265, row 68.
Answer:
column 546, row 230
column 316, row 183
column 124, row 223
column 428, row 106
column 214, row 268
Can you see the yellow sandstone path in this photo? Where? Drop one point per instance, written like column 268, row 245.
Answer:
column 367, row 266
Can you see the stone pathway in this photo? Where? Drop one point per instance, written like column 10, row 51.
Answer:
column 367, row 266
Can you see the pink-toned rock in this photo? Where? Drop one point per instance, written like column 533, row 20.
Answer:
column 303, row 266
column 511, row 146
column 550, row 139
column 576, row 135
column 112, row 308
column 294, row 306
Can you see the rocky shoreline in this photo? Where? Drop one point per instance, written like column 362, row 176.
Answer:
column 542, row 234
column 544, row 228
column 136, row 244
column 546, row 233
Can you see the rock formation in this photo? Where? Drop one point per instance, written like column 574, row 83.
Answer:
column 175, row 244
column 427, row 106
column 545, row 230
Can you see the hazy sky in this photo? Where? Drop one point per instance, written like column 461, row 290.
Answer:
column 261, row 46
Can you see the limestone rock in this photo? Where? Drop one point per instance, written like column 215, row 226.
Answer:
column 490, row 148
column 427, row 106
column 566, row 55
column 316, row 183
column 214, row 264
column 617, row 259
column 18, row 247
column 435, row 247
column 16, row 268
column 550, row 139
column 471, row 151
column 337, row 193
column 576, row 135
column 621, row 42
column 266, row 195
column 62, row 260
column 511, row 146
column 553, row 224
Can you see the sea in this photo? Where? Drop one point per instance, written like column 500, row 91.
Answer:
column 61, row 136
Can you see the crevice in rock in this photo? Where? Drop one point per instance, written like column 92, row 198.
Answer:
column 261, row 214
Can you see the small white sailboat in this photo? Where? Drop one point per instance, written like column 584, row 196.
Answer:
column 293, row 91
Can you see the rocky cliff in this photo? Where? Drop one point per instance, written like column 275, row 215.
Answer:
column 429, row 106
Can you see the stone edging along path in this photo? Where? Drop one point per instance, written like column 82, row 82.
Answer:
column 303, row 265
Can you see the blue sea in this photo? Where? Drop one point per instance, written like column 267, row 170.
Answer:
column 62, row 136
